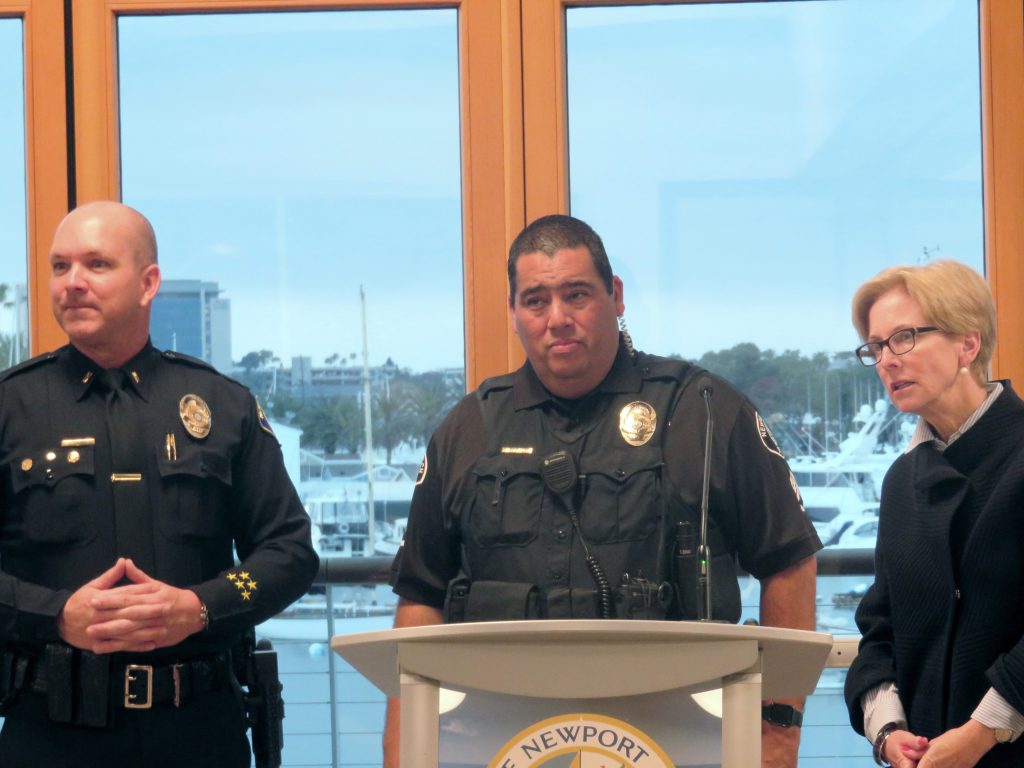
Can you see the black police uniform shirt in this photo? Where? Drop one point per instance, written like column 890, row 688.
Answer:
column 754, row 504
column 200, row 495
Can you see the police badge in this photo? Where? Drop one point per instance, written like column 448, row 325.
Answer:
column 637, row 422
column 195, row 415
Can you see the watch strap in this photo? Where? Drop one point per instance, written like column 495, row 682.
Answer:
column 782, row 714
column 878, row 748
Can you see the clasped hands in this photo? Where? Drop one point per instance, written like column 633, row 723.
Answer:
column 140, row 616
column 959, row 747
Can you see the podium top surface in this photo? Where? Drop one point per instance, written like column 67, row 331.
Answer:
column 589, row 658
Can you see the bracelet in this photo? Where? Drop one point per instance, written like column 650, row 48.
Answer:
column 204, row 615
column 878, row 750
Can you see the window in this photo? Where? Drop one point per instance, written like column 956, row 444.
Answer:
column 13, row 245
column 302, row 173
column 748, row 166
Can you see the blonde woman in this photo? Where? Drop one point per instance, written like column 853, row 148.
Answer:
column 939, row 679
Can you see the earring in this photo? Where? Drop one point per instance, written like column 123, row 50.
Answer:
column 964, row 370
column 626, row 338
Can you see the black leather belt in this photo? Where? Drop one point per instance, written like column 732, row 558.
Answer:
column 140, row 686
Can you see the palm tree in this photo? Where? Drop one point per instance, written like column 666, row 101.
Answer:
column 429, row 400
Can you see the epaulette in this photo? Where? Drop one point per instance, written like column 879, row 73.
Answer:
column 494, row 383
column 652, row 367
column 195, row 362
column 26, row 365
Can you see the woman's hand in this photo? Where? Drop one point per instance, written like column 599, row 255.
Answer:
column 904, row 750
column 959, row 747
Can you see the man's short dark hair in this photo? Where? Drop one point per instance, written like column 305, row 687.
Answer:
column 549, row 234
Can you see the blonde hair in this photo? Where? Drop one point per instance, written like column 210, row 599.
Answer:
column 953, row 296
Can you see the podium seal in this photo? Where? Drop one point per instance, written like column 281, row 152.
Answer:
column 581, row 741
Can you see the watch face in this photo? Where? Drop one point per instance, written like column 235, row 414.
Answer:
column 1003, row 735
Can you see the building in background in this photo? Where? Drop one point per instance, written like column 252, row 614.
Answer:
column 189, row 316
column 13, row 324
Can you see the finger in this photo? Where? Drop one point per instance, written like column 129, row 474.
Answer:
column 125, row 630
column 109, row 577
column 136, row 574
column 119, row 597
column 143, row 613
column 119, row 646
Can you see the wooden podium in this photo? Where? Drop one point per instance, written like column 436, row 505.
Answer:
column 556, row 659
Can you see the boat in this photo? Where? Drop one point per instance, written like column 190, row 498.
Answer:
column 841, row 491
column 338, row 509
column 392, row 535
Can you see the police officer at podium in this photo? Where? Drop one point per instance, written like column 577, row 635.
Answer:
column 569, row 488
column 130, row 477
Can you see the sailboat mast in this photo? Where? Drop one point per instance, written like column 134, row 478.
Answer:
column 371, row 542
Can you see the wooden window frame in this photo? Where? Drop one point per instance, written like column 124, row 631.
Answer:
column 46, row 178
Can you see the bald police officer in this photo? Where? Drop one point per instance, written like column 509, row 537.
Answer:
column 129, row 478
column 488, row 538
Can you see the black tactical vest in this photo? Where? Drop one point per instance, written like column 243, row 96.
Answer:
column 522, row 558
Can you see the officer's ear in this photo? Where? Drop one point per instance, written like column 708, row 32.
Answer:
column 512, row 314
column 617, row 295
column 151, row 280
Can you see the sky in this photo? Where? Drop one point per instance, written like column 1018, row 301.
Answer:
column 748, row 165
column 784, row 153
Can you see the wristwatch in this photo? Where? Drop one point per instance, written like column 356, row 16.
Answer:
column 878, row 750
column 1003, row 735
column 782, row 715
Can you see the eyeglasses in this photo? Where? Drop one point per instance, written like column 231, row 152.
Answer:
column 899, row 343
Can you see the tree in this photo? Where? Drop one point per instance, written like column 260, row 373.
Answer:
column 253, row 360
column 391, row 423
column 786, row 386
column 429, row 400
column 332, row 424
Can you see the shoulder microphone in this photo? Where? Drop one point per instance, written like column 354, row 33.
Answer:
column 558, row 471
column 706, row 389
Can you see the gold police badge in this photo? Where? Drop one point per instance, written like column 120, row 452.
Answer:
column 195, row 415
column 637, row 422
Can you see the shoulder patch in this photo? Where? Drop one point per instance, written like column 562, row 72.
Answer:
column 767, row 438
column 27, row 365
column 422, row 474
column 262, row 417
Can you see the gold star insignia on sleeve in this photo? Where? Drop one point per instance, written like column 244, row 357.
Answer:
column 243, row 582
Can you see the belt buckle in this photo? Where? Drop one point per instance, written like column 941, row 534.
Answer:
column 176, row 674
column 129, row 677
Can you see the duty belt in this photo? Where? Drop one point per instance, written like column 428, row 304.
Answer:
column 140, row 686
